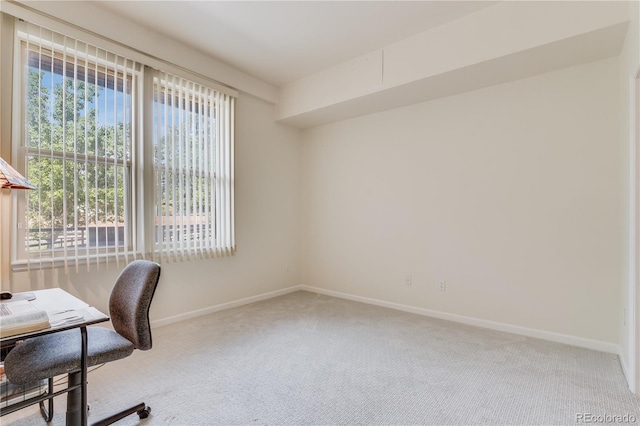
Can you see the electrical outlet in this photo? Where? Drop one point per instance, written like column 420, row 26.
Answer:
column 407, row 280
column 442, row 285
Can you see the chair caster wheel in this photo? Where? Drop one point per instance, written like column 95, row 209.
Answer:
column 144, row 413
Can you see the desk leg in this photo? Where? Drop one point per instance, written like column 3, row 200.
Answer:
column 83, row 375
column 74, row 400
column 77, row 398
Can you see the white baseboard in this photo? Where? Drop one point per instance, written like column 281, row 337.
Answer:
column 493, row 325
column 223, row 306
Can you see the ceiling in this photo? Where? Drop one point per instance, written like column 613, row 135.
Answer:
column 279, row 42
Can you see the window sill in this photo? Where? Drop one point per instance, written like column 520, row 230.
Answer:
column 23, row 265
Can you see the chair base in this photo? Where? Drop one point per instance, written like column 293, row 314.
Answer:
column 46, row 408
column 141, row 409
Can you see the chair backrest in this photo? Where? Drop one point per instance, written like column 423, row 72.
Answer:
column 130, row 301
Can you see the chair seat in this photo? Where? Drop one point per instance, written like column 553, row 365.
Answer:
column 59, row 353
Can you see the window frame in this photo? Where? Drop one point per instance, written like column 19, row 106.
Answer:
column 22, row 258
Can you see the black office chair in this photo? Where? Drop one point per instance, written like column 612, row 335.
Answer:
column 59, row 353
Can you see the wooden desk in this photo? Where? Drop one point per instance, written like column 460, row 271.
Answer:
column 54, row 301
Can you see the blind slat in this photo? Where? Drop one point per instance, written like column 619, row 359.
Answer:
column 86, row 153
column 64, row 162
column 116, row 147
column 75, row 157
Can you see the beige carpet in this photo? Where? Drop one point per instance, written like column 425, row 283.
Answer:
column 308, row 359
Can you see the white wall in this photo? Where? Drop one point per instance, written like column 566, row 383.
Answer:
column 267, row 232
column 629, row 65
column 510, row 193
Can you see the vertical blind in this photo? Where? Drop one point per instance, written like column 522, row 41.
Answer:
column 193, row 145
column 82, row 144
column 77, row 144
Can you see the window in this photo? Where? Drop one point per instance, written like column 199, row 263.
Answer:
column 193, row 167
column 84, row 147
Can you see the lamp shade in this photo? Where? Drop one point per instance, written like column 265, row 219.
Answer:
column 11, row 179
